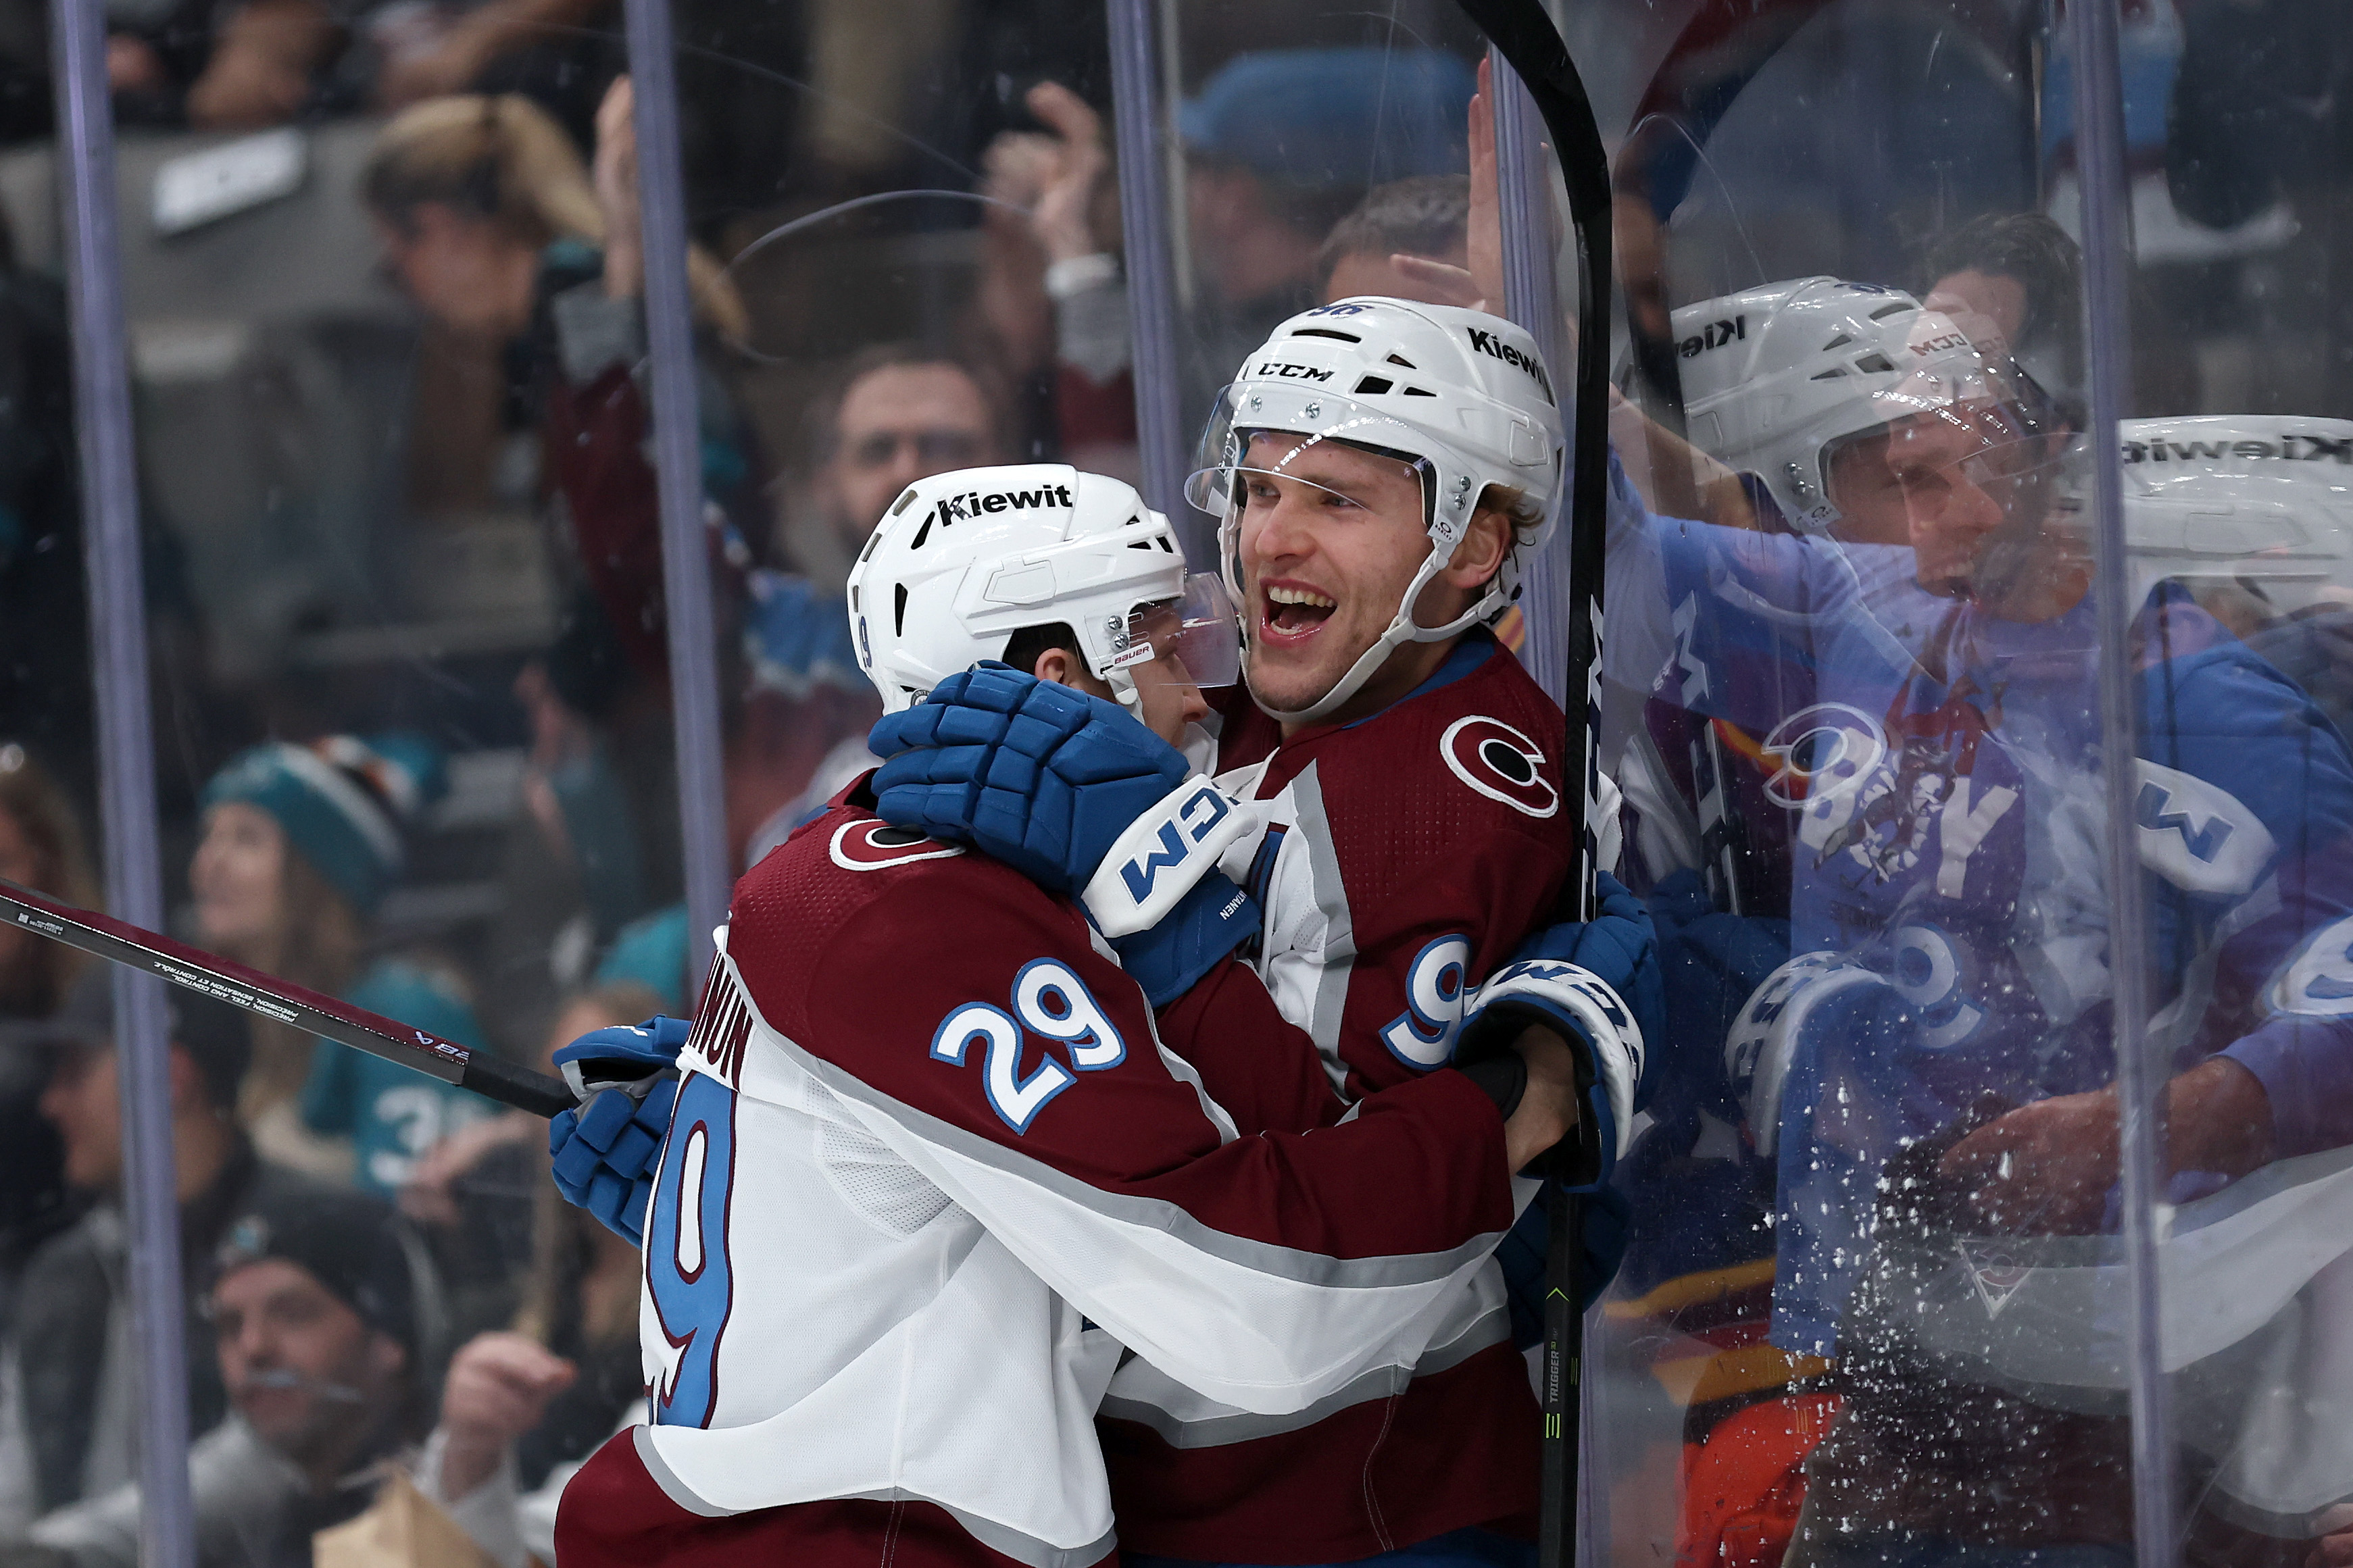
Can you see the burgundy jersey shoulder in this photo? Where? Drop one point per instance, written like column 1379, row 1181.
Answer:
column 798, row 918
column 1472, row 768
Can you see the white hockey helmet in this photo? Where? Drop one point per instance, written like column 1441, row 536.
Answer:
column 964, row 560
column 1775, row 379
column 1461, row 396
column 2257, row 499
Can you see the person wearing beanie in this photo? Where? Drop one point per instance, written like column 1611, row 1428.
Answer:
column 315, row 1309
column 300, row 843
column 66, row 1411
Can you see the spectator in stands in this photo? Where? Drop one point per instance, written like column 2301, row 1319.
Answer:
column 66, row 1425
column 2024, row 274
column 498, row 232
column 1426, row 217
column 893, row 413
column 1279, row 143
column 521, row 1408
column 1048, row 285
column 492, row 226
column 299, row 846
column 315, row 1309
column 41, row 848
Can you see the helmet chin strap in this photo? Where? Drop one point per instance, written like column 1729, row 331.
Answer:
column 1401, row 629
column 1122, row 686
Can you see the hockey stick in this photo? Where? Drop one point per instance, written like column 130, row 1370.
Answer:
column 208, row 975
column 1526, row 37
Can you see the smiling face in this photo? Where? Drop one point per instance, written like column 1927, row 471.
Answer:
column 1328, row 552
column 1330, row 539
column 1974, row 501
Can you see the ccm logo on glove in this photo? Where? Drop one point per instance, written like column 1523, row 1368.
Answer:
column 1196, row 816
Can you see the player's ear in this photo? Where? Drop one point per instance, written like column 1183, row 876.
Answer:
column 1482, row 549
column 1056, row 664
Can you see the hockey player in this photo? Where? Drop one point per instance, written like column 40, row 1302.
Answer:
column 1380, row 470
column 1920, row 675
column 931, row 1157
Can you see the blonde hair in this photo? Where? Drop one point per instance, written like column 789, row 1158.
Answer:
column 504, row 160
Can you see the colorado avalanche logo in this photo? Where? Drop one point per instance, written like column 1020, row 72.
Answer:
column 872, row 846
column 1829, row 749
column 1499, row 763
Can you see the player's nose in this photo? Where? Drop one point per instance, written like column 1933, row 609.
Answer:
column 1278, row 535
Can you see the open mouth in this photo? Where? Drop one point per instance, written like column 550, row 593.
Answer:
column 1293, row 612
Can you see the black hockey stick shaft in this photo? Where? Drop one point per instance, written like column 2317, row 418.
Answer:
column 1527, row 38
column 224, row 980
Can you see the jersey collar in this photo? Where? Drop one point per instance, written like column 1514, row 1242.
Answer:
column 1476, row 646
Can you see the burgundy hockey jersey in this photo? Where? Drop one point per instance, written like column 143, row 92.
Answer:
column 1405, row 857
column 931, row 1168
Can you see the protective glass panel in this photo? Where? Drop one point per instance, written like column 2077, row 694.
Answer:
column 412, row 747
column 1855, row 704
column 2237, row 475
column 68, row 1406
column 907, row 231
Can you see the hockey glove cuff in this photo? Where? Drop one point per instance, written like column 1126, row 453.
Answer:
column 1585, row 1011
column 1619, row 945
column 1041, row 776
column 626, row 1055
column 1212, row 919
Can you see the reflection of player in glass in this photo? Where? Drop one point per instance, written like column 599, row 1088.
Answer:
column 936, row 1082
column 1949, row 895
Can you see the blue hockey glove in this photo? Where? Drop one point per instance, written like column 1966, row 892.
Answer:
column 603, row 1153
column 1068, row 789
column 1619, row 945
column 1568, row 977
column 1210, row 922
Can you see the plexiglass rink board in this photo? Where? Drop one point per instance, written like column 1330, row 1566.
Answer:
column 1876, row 1305
column 913, row 269
column 412, row 744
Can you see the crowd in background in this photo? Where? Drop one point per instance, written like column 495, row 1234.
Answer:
column 379, row 1277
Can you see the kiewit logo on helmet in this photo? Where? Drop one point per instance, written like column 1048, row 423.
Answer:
column 2316, row 448
column 959, row 509
column 1495, row 348
column 1714, row 335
